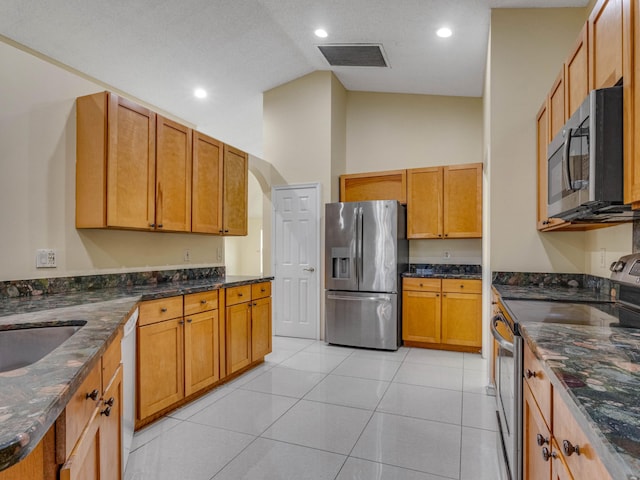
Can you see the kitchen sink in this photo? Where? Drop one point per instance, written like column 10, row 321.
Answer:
column 20, row 347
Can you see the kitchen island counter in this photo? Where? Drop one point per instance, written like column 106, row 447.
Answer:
column 32, row 397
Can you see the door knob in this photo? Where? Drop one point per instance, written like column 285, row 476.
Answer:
column 309, row 269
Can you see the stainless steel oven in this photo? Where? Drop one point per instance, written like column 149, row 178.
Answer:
column 508, row 375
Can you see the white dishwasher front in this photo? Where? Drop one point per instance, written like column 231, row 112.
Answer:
column 128, row 384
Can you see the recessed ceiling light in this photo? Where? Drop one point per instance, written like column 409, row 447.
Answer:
column 321, row 32
column 200, row 93
column 444, row 32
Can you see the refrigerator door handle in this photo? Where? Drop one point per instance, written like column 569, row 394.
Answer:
column 356, row 299
column 359, row 234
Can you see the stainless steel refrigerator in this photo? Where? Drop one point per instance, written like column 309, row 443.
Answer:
column 366, row 251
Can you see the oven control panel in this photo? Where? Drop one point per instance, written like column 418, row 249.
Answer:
column 626, row 269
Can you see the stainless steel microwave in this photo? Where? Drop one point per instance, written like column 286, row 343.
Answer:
column 585, row 162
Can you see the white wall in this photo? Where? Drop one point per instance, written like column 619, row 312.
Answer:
column 37, row 184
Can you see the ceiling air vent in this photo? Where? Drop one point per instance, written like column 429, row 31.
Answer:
column 358, row 55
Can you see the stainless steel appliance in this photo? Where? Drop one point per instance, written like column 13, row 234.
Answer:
column 505, row 325
column 366, row 250
column 585, row 162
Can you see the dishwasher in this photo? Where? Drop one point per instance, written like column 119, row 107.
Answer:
column 128, row 384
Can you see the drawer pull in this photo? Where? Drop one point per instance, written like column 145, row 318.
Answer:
column 541, row 440
column 421, row 285
column 263, row 290
column 240, row 294
column 531, row 374
column 203, row 302
column 569, row 448
column 163, row 310
column 461, row 286
column 93, row 395
column 106, row 412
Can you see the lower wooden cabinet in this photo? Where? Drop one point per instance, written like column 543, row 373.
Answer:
column 248, row 325
column 536, row 441
column 442, row 313
column 90, row 447
column 202, row 351
column 38, row 465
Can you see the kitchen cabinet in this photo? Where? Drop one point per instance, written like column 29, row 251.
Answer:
column 605, row 43
column 453, row 195
column 554, row 445
column 235, row 192
column 576, row 74
column 631, row 100
column 178, row 350
column 557, row 116
column 248, row 325
column 89, row 431
column 387, row 185
column 442, row 314
column 38, row 465
column 207, row 186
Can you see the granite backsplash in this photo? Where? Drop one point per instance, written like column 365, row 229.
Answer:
column 83, row 283
column 571, row 280
column 444, row 269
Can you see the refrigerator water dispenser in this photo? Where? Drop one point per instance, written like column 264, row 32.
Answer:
column 341, row 263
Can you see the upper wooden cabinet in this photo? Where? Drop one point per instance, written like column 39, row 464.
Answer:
column 606, row 43
column 387, row 185
column 235, row 191
column 445, row 202
column 557, row 115
column 206, row 204
column 576, row 74
column 631, row 99
column 138, row 170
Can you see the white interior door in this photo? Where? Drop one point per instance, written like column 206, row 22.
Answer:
column 296, row 258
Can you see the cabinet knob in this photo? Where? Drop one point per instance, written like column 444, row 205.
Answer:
column 439, row 234
column 541, row 440
column 240, row 294
column 93, row 395
column 189, row 320
column 461, row 286
column 262, row 290
column 569, row 448
column 546, row 454
column 181, row 322
column 160, row 225
column 152, row 225
column 220, row 231
column 226, row 231
column 446, row 234
column 110, row 402
column 531, row 374
column 163, row 309
column 106, row 412
column 203, row 302
column 437, row 294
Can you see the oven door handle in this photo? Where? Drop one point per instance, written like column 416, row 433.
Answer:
column 503, row 342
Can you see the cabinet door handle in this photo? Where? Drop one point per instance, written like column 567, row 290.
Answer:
column 106, row 412
column 240, row 294
column 461, row 286
column 541, row 440
column 263, row 290
column 189, row 320
column 152, row 225
column 546, row 454
column 160, row 225
column 437, row 294
column 163, row 309
column 93, row 395
column 110, row 402
column 181, row 322
column 531, row 374
column 446, row 234
column 203, row 302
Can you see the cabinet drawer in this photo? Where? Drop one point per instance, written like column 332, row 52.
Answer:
column 461, row 286
column 77, row 414
column 421, row 284
column 200, row 302
column 111, row 360
column 260, row 290
column 568, row 434
column 155, row 311
column 539, row 383
column 237, row 295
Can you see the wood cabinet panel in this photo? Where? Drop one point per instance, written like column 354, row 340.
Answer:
column 461, row 286
column 111, row 361
column 173, row 176
column 260, row 328
column 200, row 302
column 84, row 462
column 583, row 462
column 425, row 202
column 154, row 311
column 202, row 355
column 38, row 465
column 161, row 374
column 539, row 383
column 461, row 313
column 238, row 341
column 576, row 74
column 631, row 100
column 387, row 185
column 559, row 468
column 462, row 200
column 260, row 290
column 207, row 184
column 237, row 295
column 236, row 171
column 605, row 43
column 534, row 467
column 421, row 321
column 111, row 430
column 557, row 115
column 130, row 165
column 422, row 284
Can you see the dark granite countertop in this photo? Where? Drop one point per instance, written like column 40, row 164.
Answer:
column 444, row 270
column 31, row 398
column 551, row 293
column 596, row 371
column 466, row 276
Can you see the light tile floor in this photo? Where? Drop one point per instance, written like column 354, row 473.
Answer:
column 316, row 411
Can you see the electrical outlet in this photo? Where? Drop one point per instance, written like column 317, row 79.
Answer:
column 46, row 258
column 187, row 255
column 446, row 254
column 603, row 255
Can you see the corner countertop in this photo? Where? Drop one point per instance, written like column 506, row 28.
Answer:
column 465, row 276
column 551, row 293
column 32, row 398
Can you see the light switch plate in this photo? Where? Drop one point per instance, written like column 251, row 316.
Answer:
column 46, row 258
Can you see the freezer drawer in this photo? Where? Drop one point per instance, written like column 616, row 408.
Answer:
column 362, row 319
